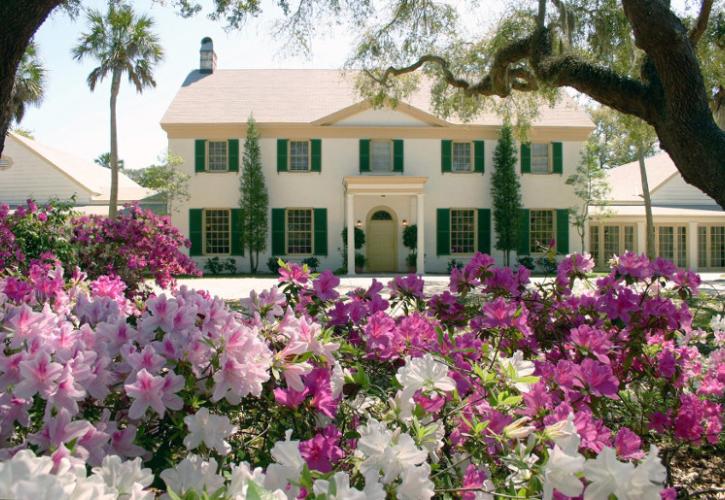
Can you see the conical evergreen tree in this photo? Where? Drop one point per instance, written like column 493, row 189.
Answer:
column 506, row 194
column 254, row 199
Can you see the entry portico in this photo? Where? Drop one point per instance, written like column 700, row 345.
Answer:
column 402, row 196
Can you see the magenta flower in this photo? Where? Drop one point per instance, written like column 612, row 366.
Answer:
column 628, row 444
column 325, row 284
column 323, row 450
column 146, row 392
column 599, row 378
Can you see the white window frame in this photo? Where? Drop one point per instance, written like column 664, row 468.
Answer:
column 601, row 259
column 287, row 231
column 533, row 250
column 475, row 230
column 471, row 153
column 708, row 246
column 390, row 156
column 289, row 155
column 204, row 230
column 675, row 243
column 208, row 157
column 549, row 153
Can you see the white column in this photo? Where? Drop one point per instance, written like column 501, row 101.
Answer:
column 641, row 238
column 692, row 246
column 350, row 209
column 420, row 222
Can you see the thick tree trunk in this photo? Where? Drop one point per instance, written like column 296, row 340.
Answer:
column 19, row 20
column 113, row 202
column 649, row 220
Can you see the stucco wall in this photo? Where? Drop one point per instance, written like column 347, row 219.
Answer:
column 340, row 158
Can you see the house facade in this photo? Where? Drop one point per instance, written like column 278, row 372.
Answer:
column 332, row 161
column 29, row 169
column 689, row 225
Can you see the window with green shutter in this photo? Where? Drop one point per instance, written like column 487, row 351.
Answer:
column 195, row 231
column 524, row 240
column 237, row 243
column 484, row 230
column 199, row 155
column 525, row 158
column 557, row 152
column 364, row 155
column 446, row 150
column 443, row 231
column 320, row 224
column 398, row 155
column 316, row 146
column 233, row 147
column 562, row 231
column 278, row 232
column 281, row 155
column 479, row 156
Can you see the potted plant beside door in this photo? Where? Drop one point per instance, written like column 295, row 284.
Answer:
column 359, row 242
column 410, row 241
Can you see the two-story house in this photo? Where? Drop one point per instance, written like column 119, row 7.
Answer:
column 331, row 161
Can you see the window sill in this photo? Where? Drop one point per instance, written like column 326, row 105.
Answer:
column 217, row 172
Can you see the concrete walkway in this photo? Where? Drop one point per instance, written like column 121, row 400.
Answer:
column 236, row 288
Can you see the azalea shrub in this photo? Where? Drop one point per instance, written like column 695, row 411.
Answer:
column 496, row 388
column 135, row 245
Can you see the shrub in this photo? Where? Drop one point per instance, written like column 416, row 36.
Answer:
column 312, row 262
column 410, row 237
column 216, row 266
column 527, row 262
column 360, row 260
column 273, row 265
column 359, row 238
column 411, row 259
column 454, row 264
column 547, row 390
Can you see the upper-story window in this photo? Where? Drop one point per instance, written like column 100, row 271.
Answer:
column 217, row 156
column 461, row 157
column 540, row 159
column 299, row 156
column 381, row 156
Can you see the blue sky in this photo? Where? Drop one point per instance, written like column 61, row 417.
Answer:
column 73, row 119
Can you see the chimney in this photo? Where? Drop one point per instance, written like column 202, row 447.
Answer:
column 207, row 57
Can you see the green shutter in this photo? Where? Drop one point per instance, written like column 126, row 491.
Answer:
column 443, row 231
column 316, row 146
column 237, row 243
column 562, row 231
column 200, row 155
column 320, row 224
column 525, row 158
column 233, row 147
column 446, row 148
column 282, row 155
column 278, row 232
column 479, row 156
column 195, row 232
column 364, row 155
column 558, row 157
column 398, row 158
column 484, row 230
column 524, row 243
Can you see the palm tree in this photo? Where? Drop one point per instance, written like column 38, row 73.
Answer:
column 123, row 44
column 28, row 87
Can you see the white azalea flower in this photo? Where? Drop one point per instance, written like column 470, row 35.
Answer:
column 565, row 435
column 210, row 430
column 607, row 476
column 648, row 478
column 387, row 452
column 338, row 488
column 424, row 373
column 416, row 483
column 517, row 367
column 122, row 476
column 717, row 323
column 287, row 467
column 195, row 474
column 520, row 463
column 244, row 483
column 560, row 473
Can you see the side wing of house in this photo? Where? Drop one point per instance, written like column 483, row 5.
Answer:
column 25, row 174
column 676, row 192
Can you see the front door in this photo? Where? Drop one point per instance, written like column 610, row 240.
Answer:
column 380, row 243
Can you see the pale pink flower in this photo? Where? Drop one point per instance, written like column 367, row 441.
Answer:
column 38, row 375
column 146, row 391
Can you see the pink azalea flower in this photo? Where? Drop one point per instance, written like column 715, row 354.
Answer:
column 38, row 375
column 146, row 391
column 323, row 450
column 628, row 444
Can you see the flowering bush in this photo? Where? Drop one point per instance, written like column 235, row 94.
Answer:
column 134, row 245
column 495, row 387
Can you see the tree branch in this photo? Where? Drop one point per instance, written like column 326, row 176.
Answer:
column 701, row 24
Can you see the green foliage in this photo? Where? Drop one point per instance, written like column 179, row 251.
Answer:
column 528, row 262
column 273, row 264
column 410, row 236
column 166, row 178
column 360, row 260
column 104, row 160
column 506, row 194
column 359, row 238
column 411, row 259
column 618, row 138
column 254, row 200
column 454, row 264
column 590, row 186
column 29, row 86
column 312, row 262
column 216, row 266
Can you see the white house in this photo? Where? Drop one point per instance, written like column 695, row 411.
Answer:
column 29, row 169
column 689, row 225
column 332, row 161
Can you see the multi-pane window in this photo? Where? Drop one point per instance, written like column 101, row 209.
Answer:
column 540, row 158
column 299, row 156
column 217, row 232
column 381, row 156
column 299, row 231
column 671, row 243
column 461, row 157
column 711, row 246
column 463, row 231
column 606, row 241
column 541, row 230
column 218, row 156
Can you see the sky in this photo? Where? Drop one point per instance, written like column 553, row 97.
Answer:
column 76, row 120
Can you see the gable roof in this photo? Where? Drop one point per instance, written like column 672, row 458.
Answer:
column 90, row 176
column 310, row 95
column 625, row 181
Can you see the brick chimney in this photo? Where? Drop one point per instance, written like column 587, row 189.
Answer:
column 207, row 56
